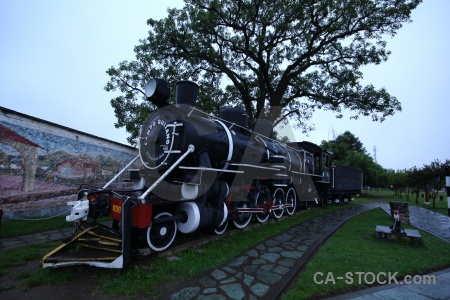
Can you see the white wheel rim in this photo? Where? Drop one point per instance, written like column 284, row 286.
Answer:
column 243, row 225
column 278, row 213
column 162, row 231
column 261, row 217
column 290, row 210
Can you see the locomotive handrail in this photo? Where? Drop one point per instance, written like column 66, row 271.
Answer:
column 120, row 173
column 209, row 169
column 191, row 149
column 254, row 166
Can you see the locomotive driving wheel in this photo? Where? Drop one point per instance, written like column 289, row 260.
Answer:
column 160, row 235
column 241, row 219
column 261, row 199
column 222, row 228
column 291, row 199
column 278, row 203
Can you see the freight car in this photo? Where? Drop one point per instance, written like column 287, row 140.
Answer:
column 199, row 172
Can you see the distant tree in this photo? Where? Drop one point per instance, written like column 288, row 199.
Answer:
column 398, row 181
column 343, row 146
column 279, row 59
column 281, row 138
column 434, row 178
column 413, row 182
column 347, row 149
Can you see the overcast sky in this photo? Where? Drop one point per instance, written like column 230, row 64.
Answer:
column 54, row 55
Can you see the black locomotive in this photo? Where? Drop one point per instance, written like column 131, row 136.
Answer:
column 201, row 172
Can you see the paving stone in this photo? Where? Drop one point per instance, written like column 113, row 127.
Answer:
column 259, row 261
column 283, row 237
column 290, row 245
column 430, row 290
column 239, row 275
column 209, row 290
column 261, row 247
column 238, row 261
column 207, row 282
column 302, row 248
column 250, row 269
column 397, row 294
column 229, row 280
column 219, row 275
column 270, row 257
column 229, row 270
column 287, row 262
column 211, row 297
column 274, row 249
column 267, row 277
column 268, row 267
column 271, row 243
column 260, row 289
column 292, row 254
column 248, row 279
column 234, row 291
column 253, row 253
column 280, row 270
column 186, row 293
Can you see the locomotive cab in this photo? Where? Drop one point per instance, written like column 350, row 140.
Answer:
column 321, row 161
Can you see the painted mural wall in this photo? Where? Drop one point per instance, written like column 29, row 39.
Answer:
column 39, row 158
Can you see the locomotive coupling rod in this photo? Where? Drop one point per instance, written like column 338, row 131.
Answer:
column 191, row 149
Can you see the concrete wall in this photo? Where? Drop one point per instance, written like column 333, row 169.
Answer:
column 42, row 164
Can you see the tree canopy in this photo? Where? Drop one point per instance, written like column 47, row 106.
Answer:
column 342, row 146
column 277, row 59
column 348, row 150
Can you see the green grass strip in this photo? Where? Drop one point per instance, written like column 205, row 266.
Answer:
column 354, row 248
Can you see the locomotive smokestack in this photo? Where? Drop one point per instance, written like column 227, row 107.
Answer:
column 187, row 92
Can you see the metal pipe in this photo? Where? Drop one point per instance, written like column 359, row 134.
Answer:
column 120, row 173
column 191, row 148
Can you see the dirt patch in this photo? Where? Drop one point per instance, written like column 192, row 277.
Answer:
column 12, row 288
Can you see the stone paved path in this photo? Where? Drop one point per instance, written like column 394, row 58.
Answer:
column 35, row 238
column 268, row 268
column 434, row 223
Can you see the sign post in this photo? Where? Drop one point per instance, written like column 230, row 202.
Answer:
column 447, row 183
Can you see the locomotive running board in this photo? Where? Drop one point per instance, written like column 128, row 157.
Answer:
column 95, row 246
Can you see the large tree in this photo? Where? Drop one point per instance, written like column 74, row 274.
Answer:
column 276, row 59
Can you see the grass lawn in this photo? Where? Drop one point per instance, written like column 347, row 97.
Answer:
column 10, row 228
column 354, row 248
column 388, row 195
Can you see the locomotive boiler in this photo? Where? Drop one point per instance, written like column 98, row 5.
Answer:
column 199, row 172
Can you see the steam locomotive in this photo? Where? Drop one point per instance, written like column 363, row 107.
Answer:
column 199, row 172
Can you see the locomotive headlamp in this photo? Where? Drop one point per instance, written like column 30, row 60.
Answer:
column 157, row 92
